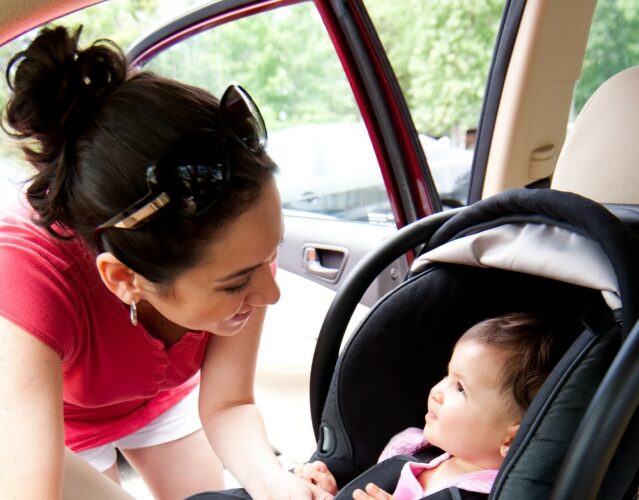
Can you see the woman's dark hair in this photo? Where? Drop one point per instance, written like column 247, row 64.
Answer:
column 91, row 130
column 525, row 342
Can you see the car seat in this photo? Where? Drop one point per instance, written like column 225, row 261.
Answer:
column 554, row 253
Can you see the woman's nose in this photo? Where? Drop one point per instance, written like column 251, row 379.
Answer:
column 266, row 291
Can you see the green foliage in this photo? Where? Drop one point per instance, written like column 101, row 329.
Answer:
column 440, row 51
column 283, row 58
column 612, row 46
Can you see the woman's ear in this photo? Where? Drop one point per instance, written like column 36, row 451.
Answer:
column 118, row 278
column 511, row 432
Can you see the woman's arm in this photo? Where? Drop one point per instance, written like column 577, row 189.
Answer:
column 232, row 422
column 33, row 460
column 31, row 419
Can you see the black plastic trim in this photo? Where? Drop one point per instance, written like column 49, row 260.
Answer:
column 506, row 37
column 345, row 10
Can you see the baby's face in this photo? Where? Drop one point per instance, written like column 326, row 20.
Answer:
column 468, row 414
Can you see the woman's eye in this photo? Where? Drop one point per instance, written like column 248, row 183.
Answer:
column 239, row 288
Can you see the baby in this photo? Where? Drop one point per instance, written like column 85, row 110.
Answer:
column 474, row 412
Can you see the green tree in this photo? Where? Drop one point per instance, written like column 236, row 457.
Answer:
column 440, row 51
column 284, row 58
column 612, row 46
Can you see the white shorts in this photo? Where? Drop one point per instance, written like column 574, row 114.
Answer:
column 175, row 423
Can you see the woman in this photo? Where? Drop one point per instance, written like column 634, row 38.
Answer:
column 146, row 253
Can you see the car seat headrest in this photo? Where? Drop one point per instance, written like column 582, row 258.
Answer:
column 598, row 159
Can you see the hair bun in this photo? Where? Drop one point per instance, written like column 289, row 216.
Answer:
column 56, row 92
column 56, row 86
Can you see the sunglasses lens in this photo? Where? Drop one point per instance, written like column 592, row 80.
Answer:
column 195, row 172
column 200, row 186
column 243, row 118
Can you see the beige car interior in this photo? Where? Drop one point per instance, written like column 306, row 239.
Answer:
column 606, row 132
column 18, row 17
column 531, row 123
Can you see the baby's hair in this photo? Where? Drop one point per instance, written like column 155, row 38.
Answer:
column 525, row 341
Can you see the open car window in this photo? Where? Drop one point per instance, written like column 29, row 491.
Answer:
column 286, row 61
column 441, row 61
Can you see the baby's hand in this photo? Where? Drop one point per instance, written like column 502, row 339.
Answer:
column 317, row 473
column 373, row 492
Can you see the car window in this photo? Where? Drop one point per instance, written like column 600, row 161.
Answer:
column 286, row 61
column 609, row 51
column 441, row 61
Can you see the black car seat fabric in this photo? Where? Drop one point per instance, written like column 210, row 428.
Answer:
column 383, row 374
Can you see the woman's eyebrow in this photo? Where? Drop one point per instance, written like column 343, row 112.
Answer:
column 239, row 273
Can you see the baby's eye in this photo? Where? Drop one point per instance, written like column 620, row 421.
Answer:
column 460, row 388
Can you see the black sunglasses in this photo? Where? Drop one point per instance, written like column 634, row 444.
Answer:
column 195, row 171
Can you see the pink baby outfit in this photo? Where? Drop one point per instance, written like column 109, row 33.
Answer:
column 410, row 441
column 117, row 377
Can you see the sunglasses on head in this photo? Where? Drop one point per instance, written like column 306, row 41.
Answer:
column 195, row 171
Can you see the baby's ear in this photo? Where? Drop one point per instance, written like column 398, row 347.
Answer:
column 511, row 432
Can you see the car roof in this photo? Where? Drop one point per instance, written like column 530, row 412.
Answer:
column 19, row 16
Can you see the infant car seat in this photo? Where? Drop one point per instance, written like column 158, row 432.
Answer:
column 558, row 254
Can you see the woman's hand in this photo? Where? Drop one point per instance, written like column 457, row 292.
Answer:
column 317, row 473
column 373, row 492
column 287, row 486
column 233, row 423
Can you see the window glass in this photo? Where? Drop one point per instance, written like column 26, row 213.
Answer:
column 286, row 61
column 612, row 47
column 441, row 51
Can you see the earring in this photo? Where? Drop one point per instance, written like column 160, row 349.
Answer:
column 504, row 450
column 133, row 313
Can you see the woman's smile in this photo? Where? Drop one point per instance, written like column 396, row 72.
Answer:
column 243, row 316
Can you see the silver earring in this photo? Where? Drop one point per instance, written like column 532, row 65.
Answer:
column 133, row 313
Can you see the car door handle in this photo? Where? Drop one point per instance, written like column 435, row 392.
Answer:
column 314, row 264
